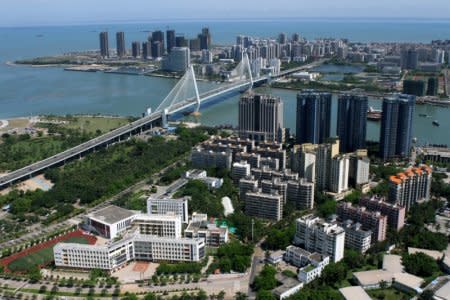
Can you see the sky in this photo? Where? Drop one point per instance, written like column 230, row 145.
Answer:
column 64, row 12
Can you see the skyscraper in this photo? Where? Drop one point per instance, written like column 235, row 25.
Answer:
column 104, row 44
column 178, row 60
column 146, row 50
column 170, row 35
column 158, row 36
column 205, row 39
column 352, row 122
column 180, row 41
column 396, row 126
column 120, row 41
column 313, row 117
column 261, row 117
column 136, row 49
column 409, row 59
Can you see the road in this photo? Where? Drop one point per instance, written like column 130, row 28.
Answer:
column 37, row 231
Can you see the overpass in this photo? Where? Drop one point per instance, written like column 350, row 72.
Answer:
column 177, row 101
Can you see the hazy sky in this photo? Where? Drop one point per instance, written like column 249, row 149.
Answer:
column 40, row 12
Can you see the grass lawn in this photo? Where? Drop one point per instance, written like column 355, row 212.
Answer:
column 389, row 294
column 93, row 123
column 42, row 256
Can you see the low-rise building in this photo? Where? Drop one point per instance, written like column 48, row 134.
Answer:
column 109, row 222
column 136, row 246
column 202, row 158
column 162, row 206
column 200, row 227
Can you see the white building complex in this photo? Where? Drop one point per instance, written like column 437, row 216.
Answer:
column 179, row 207
column 315, row 235
column 134, row 247
column 148, row 237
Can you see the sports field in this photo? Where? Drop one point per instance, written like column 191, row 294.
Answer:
column 40, row 258
column 42, row 254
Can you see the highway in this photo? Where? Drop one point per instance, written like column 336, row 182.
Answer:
column 132, row 128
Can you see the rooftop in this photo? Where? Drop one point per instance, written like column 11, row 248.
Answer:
column 111, row 214
column 354, row 293
column 433, row 253
column 392, row 263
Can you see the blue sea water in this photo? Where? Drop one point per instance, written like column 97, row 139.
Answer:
column 30, row 91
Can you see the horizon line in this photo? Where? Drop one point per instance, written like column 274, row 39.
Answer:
column 232, row 19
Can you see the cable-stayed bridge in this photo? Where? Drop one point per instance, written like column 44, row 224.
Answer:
column 184, row 95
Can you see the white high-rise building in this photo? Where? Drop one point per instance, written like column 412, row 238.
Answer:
column 315, row 235
column 339, row 174
column 162, row 206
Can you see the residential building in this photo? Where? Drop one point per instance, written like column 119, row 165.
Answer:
column 261, row 118
column 409, row 59
column 109, row 222
column 395, row 213
column 410, row 187
column 136, row 49
column 316, row 235
column 120, row 41
column 202, row 158
column 170, row 40
column 162, row 206
column 247, row 185
column 338, row 180
column 300, row 193
column 355, row 237
column 239, row 171
column 104, row 45
column 370, row 220
column 265, row 206
column 396, row 126
column 178, row 60
column 359, row 168
column 352, row 122
column 200, row 227
column 311, row 264
column 275, row 185
column 313, row 117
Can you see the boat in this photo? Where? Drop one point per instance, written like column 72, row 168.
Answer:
column 424, row 115
column 436, row 123
column 374, row 114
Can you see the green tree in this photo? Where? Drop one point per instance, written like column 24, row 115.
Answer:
column 426, row 295
column 334, row 273
column 265, row 295
column 266, row 279
column 420, row 264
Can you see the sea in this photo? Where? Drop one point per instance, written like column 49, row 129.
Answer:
column 29, row 91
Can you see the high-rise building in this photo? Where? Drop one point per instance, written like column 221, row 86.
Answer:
column 394, row 212
column 355, row 237
column 136, row 49
column 300, row 193
column 282, row 38
column 239, row 171
column 338, row 179
column 409, row 59
column 370, row 220
column 178, row 60
column 104, row 44
column 315, row 235
column 157, row 49
column 171, row 42
column 410, row 187
column 352, row 122
column 359, row 168
column 261, row 117
column 313, row 117
column 158, row 36
column 396, row 126
column 295, row 37
column 265, row 206
column 180, row 41
column 146, row 50
column 194, row 44
column 120, row 42
column 205, row 39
